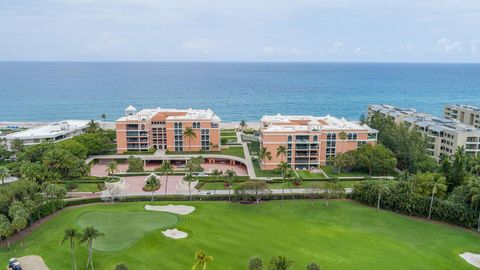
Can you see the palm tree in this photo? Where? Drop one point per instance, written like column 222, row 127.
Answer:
column 216, row 173
column 264, row 154
column 342, row 136
column 112, row 168
column 283, row 167
column 93, row 127
column 4, row 174
column 166, row 169
column 475, row 198
column 71, row 235
column 189, row 179
column 282, row 151
column 230, row 174
column 382, row 187
column 280, row 263
column 201, row 260
column 243, row 125
column 437, row 183
column 89, row 234
column 189, row 133
column 152, row 184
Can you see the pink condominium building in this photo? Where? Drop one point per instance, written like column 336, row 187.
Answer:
column 163, row 129
column 311, row 141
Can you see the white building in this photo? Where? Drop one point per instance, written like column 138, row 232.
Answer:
column 466, row 114
column 444, row 135
column 53, row 132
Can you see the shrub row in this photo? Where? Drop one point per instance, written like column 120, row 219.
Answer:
column 400, row 199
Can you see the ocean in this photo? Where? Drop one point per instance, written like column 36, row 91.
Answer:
column 51, row 91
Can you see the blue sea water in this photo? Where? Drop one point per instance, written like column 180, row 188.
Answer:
column 54, row 91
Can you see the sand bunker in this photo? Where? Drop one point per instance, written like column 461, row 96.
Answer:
column 471, row 258
column 176, row 209
column 175, row 234
column 32, row 262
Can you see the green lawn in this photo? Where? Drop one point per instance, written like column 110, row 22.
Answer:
column 345, row 235
column 265, row 173
column 309, row 175
column 329, row 171
column 85, row 187
column 232, row 151
column 305, row 184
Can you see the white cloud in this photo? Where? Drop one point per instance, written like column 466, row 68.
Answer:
column 446, row 45
column 359, row 52
column 336, row 48
column 475, row 46
column 202, row 45
column 281, row 51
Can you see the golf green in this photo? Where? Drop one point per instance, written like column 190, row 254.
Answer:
column 122, row 229
column 346, row 235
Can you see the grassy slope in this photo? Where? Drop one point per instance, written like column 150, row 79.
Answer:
column 345, row 236
column 329, row 171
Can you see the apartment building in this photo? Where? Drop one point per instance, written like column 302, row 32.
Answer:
column 310, row 141
column 466, row 114
column 54, row 132
column 444, row 135
column 163, row 129
column 394, row 113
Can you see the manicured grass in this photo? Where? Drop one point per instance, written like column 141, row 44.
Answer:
column 345, row 235
column 120, row 231
column 329, row 171
column 265, row 173
column 227, row 133
column 305, row 184
column 232, row 151
column 310, row 175
column 84, row 187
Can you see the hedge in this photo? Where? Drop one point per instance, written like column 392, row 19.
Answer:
column 401, row 200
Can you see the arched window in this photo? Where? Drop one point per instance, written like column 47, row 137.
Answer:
column 175, row 125
column 354, row 136
column 334, row 136
column 289, row 138
column 315, row 138
column 194, row 125
column 180, row 125
column 198, row 125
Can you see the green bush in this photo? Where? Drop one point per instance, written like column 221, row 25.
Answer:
column 71, row 185
column 400, row 199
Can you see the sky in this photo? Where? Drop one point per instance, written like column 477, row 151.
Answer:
column 242, row 30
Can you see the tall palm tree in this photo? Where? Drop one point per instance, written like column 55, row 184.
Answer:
column 243, row 125
column 264, row 154
column 283, row 167
column 152, row 184
column 475, row 199
column 89, row 234
column 201, row 260
column 4, row 174
column 282, row 151
column 189, row 179
column 93, row 127
column 166, row 169
column 71, row 235
column 342, row 136
column 437, row 183
column 189, row 134
column 216, row 173
column 230, row 174
column 112, row 168
column 280, row 263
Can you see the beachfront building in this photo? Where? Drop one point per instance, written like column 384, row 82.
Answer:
column 444, row 135
column 54, row 132
column 466, row 114
column 310, row 141
column 396, row 114
column 164, row 128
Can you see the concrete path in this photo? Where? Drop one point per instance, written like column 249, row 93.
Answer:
column 248, row 158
